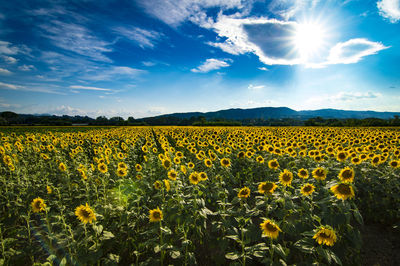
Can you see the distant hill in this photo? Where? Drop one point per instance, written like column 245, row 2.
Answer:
column 281, row 113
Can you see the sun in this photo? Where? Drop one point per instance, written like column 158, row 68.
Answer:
column 308, row 39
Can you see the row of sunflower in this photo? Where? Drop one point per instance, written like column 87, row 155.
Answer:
column 186, row 195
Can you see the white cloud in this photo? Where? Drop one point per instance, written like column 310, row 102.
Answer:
column 77, row 87
column 27, row 67
column 174, row 12
column 76, row 38
column 255, row 87
column 263, row 68
column 269, row 39
column 149, row 63
column 211, row 64
column 4, row 71
column 114, row 72
column 8, row 48
column 9, row 59
column 389, row 9
column 346, row 97
column 9, row 86
column 144, row 38
column 352, row 51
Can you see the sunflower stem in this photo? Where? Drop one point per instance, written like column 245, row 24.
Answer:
column 161, row 246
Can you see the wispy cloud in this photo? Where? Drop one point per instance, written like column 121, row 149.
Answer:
column 4, row 71
column 389, row 9
column 78, row 87
column 114, row 73
column 255, row 87
column 345, row 97
column 263, row 68
column 211, row 64
column 9, row 59
column 27, row 67
column 9, row 86
column 8, row 48
column 352, row 51
column 144, row 38
column 76, row 38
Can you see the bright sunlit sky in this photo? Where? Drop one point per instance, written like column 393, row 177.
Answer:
column 149, row 57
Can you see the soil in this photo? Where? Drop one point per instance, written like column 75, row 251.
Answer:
column 381, row 246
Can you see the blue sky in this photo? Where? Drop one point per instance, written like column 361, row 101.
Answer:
column 149, row 57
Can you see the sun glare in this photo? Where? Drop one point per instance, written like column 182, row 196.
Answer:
column 308, row 39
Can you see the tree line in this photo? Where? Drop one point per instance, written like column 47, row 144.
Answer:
column 10, row 118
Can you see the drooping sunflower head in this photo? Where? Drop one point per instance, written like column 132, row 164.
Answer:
column 102, row 167
column 273, row 164
column 260, row 159
column 241, row 155
column 267, row 187
column 319, row 173
column 307, row 189
column 49, row 189
column 346, row 175
column 38, row 205
column 167, row 184
column 303, row 173
column 270, row 229
column 172, row 174
column 194, row 178
column 244, row 192
column 183, row 169
column 225, row 162
column 286, row 177
column 343, row 191
column 85, row 214
column 325, row 235
column 155, row 215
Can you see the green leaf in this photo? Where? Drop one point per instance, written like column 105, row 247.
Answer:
column 107, row 235
column 279, row 249
column 175, row 254
column 334, row 257
column 358, row 217
column 234, row 237
column 232, row 256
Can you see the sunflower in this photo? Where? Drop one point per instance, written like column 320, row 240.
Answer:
column 122, row 165
column 267, row 187
column 273, row 164
column 244, row 192
column 376, row 160
column 307, row 189
column 260, row 159
column 121, row 172
column 155, row 215
column 49, row 189
column 139, row 176
column 172, row 174
column 102, row 167
column 177, row 160
column 341, row 156
column 157, row 185
column 62, row 167
column 346, row 175
column 355, row 160
column 194, row 178
column 138, row 167
column 85, row 214
column 166, row 164
column 183, row 169
column 208, row 162
column 241, row 155
column 394, row 164
column 167, row 184
column 343, row 191
column 225, row 162
column 325, row 236
column 38, row 205
column 203, row 176
column 286, row 177
column 190, row 165
column 270, row 229
column 319, row 173
column 303, row 173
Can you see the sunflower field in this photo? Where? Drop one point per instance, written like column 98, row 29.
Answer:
column 194, row 195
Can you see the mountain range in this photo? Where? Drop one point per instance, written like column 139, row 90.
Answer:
column 281, row 113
